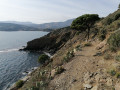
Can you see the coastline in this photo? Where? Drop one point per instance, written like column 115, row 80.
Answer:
column 27, row 74
column 25, row 78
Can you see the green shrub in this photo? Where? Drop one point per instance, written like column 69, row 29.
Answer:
column 40, row 84
column 78, row 32
column 59, row 70
column 109, row 21
column 78, row 48
column 117, row 57
column 107, row 56
column 34, row 88
column 19, row 83
column 118, row 75
column 43, row 59
column 88, row 44
column 117, row 16
column 102, row 34
column 114, row 40
column 119, row 6
column 68, row 56
column 112, row 72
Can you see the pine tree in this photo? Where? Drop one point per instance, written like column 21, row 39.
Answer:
column 119, row 6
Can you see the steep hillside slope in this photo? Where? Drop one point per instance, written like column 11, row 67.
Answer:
column 79, row 64
column 51, row 42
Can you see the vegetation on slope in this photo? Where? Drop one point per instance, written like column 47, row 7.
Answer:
column 68, row 40
column 85, row 22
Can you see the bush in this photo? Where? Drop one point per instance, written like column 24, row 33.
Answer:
column 19, row 83
column 34, row 88
column 119, row 6
column 117, row 57
column 117, row 16
column 114, row 41
column 88, row 44
column 78, row 48
column 118, row 75
column 109, row 21
column 78, row 32
column 102, row 35
column 59, row 70
column 112, row 72
column 43, row 59
column 68, row 56
column 107, row 56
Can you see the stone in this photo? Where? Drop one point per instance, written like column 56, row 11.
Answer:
column 87, row 86
column 98, row 54
column 53, row 72
column 117, row 86
column 118, row 68
column 75, row 50
column 101, row 45
column 95, row 88
column 73, row 80
column 109, row 82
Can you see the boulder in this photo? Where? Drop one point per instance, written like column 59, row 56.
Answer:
column 87, row 86
column 117, row 86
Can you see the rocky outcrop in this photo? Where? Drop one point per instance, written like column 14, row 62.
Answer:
column 52, row 41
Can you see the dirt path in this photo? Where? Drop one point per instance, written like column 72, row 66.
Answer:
column 83, row 62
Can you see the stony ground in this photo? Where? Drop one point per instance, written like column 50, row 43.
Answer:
column 86, row 71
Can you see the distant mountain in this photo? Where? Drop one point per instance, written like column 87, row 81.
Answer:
column 29, row 26
column 17, row 22
column 54, row 25
column 16, row 27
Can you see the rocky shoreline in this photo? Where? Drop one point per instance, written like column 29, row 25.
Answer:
column 51, row 42
column 27, row 74
column 25, row 78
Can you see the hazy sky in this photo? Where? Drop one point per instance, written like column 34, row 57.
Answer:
column 42, row 11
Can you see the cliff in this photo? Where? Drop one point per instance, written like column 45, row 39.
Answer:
column 52, row 41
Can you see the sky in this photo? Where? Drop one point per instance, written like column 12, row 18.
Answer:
column 44, row 11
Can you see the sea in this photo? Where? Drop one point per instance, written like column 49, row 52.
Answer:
column 14, row 63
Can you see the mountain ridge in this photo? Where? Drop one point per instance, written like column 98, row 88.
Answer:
column 29, row 26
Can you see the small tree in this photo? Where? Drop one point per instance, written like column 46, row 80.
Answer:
column 85, row 22
column 119, row 6
column 43, row 58
column 19, row 83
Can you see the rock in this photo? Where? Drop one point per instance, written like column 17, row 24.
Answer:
column 95, row 88
column 53, row 72
column 98, row 54
column 88, row 75
column 101, row 45
column 87, row 86
column 75, row 50
column 51, row 42
column 109, row 82
column 73, row 80
column 118, row 68
column 117, row 86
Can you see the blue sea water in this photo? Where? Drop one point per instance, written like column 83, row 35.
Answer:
column 13, row 62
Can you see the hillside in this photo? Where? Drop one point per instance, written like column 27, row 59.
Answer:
column 78, row 64
column 44, row 27
column 16, row 27
column 54, row 25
